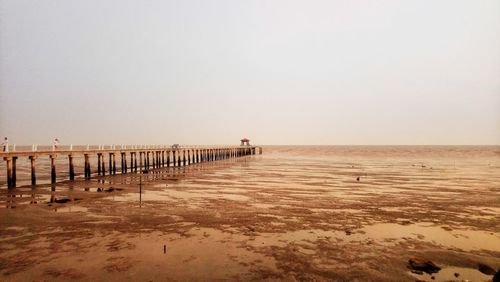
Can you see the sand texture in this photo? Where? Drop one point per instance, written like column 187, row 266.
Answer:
column 317, row 213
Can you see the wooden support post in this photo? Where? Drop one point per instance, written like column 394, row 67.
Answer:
column 147, row 160
column 99, row 164
column 121, row 162
column 179, row 159
column 110, row 163
column 168, row 158
column 184, row 157
column 132, row 156
column 114, row 164
column 33, row 172
column 9, row 172
column 135, row 161
column 151, row 162
column 14, row 177
column 162, row 158
column 87, row 166
column 71, row 168
column 124, row 161
column 174, row 160
column 103, row 168
column 52, row 169
column 153, row 159
column 141, row 160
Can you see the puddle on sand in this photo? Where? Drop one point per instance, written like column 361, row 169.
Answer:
column 172, row 195
column 71, row 208
column 464, row 239
column 448, row 274
column 23, row 199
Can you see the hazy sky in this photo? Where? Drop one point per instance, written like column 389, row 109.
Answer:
column 277, row 72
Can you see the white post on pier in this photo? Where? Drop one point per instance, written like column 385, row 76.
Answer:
column 71, row 147
column 14, row 148
column 53, row 147
column 88, row 147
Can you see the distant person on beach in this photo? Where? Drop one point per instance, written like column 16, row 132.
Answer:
column 56, row 143
column 5, row 144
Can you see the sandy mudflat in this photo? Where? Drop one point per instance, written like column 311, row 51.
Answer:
column 294, row 213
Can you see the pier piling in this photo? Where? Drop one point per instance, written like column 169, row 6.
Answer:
column 71, row 168
column 33, row 174
column 52, row 169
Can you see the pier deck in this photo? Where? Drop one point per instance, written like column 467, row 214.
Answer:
column 133, row 159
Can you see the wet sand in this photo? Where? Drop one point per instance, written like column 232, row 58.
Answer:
column 294, row 213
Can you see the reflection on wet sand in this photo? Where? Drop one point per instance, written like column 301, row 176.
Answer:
column 303, row 213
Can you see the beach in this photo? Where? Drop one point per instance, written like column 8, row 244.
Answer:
column 294, row 213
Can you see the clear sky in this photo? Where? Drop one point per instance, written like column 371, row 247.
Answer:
column 277, row 72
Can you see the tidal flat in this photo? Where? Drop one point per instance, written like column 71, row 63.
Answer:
column 336, row 213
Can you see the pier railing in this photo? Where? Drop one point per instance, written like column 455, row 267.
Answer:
column 133, row 158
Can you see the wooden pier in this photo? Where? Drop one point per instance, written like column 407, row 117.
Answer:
column 133, row 160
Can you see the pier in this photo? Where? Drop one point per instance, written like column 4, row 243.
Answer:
column 133, row 159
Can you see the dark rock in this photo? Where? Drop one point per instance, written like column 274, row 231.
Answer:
column 145, row 171
column 456, row 274
column 62, row 201
column 423, row 264
column 432, row 277
column 447, row 228
column 486, row 269
column 357, row 178
column 496, row 278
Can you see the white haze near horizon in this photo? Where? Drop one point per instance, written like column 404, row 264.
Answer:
column 277, row 72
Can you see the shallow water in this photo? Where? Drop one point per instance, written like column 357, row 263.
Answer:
column 295, row 212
